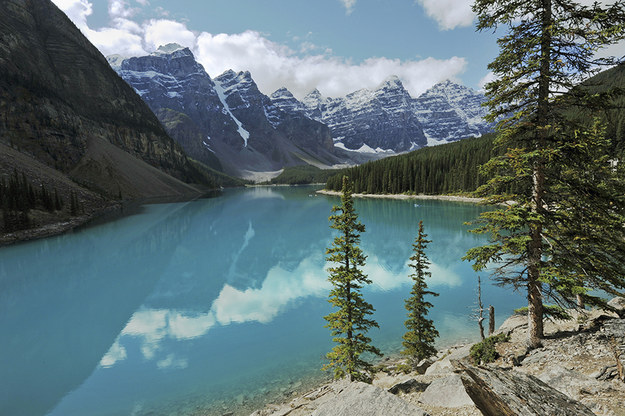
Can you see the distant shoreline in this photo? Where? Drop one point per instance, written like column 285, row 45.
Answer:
column 454, row 198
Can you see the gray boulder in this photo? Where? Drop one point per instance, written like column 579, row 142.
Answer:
column 572, row 383
column 499, row 392
column 444, row 365
column 446, row 392
column 360, row 399
column 618, row 303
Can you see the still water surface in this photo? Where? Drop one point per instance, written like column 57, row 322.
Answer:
column 208, row 306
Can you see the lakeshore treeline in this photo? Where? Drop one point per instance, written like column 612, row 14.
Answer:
column 445, row 169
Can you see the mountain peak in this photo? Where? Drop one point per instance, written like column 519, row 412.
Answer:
column 244, row 76
column 169, row 48
column 392, row 82
column 115, row 61
column 281, row 93
column 314, row 94
column 228, row 74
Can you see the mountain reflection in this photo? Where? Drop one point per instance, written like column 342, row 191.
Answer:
column 202, row 301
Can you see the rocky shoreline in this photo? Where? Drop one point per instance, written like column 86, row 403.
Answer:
column 57, row 227
column 574, row 373
column 453, row 198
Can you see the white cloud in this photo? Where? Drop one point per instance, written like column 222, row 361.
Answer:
column 120, row 9
column 449, row 13
column 171, row 362
column 349, row 5
column 489, row 77
column 76, row 10
column 159, row 32
column 278, row 289
column 272, row 65
column 116, row 353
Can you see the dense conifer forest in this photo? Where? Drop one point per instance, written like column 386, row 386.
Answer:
column 449, row 168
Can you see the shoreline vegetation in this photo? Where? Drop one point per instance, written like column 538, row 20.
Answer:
column 451, row 198
column 110, row 211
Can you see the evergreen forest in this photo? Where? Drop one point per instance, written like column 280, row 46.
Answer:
column 445, row 169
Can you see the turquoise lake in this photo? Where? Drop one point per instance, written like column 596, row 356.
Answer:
column 216, row 305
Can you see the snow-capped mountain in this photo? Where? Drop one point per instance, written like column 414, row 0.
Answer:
column 227, row 123
column 388, row 120
column 450, row 112
column 382, row 119
column 241, row 130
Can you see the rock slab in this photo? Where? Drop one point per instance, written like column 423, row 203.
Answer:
column 360, row 399
column 499, row 392
column 446, row 392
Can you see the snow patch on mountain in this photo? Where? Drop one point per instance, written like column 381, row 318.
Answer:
column 366, row 149
column 245, row 135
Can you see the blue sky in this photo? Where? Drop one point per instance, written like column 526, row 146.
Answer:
column 337, row 46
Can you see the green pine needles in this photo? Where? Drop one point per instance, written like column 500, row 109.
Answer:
column 419, row 338
column 350, row 323
column 562, row 236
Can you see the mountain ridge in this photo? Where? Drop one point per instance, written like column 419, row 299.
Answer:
column 241, row 127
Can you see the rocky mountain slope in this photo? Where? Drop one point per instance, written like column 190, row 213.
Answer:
column 241, row 130
column 388, row 120
column 381, row 119
column 450, row 111
column 244, row 130
column 65, row 108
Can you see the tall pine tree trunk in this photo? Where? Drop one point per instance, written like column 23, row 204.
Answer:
column 534, row 287
column 351, row 365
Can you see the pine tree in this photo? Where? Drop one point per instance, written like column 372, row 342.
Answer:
column 550, row 47
column 351, row 322
column 420, row 335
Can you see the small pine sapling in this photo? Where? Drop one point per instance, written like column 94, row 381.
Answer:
column 420, row 335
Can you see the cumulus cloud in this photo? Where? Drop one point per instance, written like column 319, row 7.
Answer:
column 272, row 65
column 449, row 13
column 349, row 5
column 120, row 9
column 489, row 77
column 159, row 32
column 76, row 10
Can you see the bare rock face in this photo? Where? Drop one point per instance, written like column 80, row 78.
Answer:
column 499, row 392
column 572, row 383
column 62, row 104
column 240, row 129
column 446, row 392
column 378, row 119
column 360, row 399
column 445, row 365
column 618, row 303
column 450, row 111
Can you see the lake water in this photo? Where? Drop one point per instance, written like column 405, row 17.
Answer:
column 209, row 306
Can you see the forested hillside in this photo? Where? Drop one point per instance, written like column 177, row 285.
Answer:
column 448, row 168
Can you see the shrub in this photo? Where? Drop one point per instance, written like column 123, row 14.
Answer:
column 484, row 352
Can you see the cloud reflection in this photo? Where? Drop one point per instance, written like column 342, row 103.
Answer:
column 116, row 353
column 386, row 280
column 279, row 289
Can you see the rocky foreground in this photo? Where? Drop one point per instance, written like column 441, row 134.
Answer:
column 578, row 371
